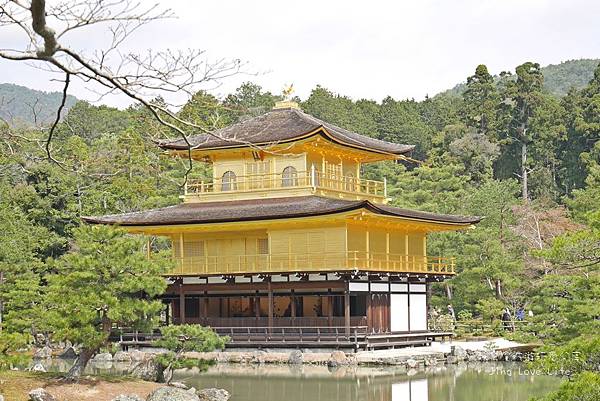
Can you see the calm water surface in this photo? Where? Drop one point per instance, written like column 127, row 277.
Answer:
column 473, row 382
column 465, row 382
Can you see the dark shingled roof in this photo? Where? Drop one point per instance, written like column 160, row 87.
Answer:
column 262, row 209
column 280, row 126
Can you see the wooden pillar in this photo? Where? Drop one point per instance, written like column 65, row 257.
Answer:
column 425, row 252
column 181, row 251
column 205, row 303
column 368, row 245
column 329, row 308
column 347, row 309
column 387, row 250
column 407, row 252
column 257, row 306
column 181, row 303
column 369, row 309
column 340, row 180
column 293, row 305
column 270, row 321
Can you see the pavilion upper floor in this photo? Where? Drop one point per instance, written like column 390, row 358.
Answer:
column 294, row 235
column 285, row 152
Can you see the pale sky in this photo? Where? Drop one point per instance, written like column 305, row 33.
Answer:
column 363, row 49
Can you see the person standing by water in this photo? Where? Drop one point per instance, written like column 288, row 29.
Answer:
column 507, row 320
column 520, row 314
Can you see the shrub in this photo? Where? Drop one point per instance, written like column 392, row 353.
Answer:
column 10, row 343
column 185, row 338
column 464, row 315
column 190, row 337
column 584, row 387
column 578, row 355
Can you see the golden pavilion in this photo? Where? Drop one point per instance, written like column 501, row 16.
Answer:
column 289, row 245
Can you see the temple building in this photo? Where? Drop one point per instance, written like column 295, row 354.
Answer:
column 288, row 243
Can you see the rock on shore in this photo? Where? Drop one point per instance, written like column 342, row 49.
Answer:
column 172, row 394
column 39, row 394
column 213, row 394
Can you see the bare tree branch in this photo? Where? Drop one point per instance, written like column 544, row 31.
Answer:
column 57, row 120
column 141, row 77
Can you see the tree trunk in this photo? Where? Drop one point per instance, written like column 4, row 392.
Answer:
column 524, row 178
column 80, row 363
column 498, row 289
column 448, row 292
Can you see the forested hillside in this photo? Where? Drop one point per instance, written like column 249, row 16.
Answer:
column 505, row 149
column 21, row 105
column 558, row 78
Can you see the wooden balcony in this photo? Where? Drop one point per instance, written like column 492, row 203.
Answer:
column 279, row 184
column 322, row 262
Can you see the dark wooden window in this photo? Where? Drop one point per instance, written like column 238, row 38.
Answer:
column 192, row 307
column 358, row 305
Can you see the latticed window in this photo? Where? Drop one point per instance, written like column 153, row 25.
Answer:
column 289, row 177
column 258, row 173
column 349, row 182
column 193, row 249
column 229, row 181
column 333, row 174
column 263, row 246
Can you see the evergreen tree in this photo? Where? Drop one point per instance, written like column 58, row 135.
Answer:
column 481, row 103
column 105, row 280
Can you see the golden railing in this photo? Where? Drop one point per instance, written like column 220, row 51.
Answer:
column 288, row 262
column 299, row 179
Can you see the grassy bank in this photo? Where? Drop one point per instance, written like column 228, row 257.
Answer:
column 15, row 385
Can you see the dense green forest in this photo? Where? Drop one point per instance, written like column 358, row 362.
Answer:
column 505, row 148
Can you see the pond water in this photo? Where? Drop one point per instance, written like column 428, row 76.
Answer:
column 468, row 382
column 464, row 382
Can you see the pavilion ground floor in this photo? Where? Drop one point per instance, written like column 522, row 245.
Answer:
column 327, row 309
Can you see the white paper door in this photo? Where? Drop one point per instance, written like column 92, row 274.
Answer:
column 399, row 312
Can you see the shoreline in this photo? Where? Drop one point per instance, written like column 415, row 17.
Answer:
column 453, row 352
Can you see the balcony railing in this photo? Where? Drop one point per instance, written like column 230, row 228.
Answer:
column 301, row 179
column 321, row 262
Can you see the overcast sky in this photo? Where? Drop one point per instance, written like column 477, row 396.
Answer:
column 363, row 49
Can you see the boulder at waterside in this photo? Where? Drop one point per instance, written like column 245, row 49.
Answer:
column 103, row 357
column 172, row 394
column 147, row 370
column 337, row 358
column 38, row 367
column 122, row 356
column 296, row 357
column 137, row 355
column 43, row 353
column 68, row 353
column 213, row 394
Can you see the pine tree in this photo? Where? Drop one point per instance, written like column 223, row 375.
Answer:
column 106, row 280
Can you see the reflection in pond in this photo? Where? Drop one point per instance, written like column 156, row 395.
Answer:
column 464, row 382
column 476, row 382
